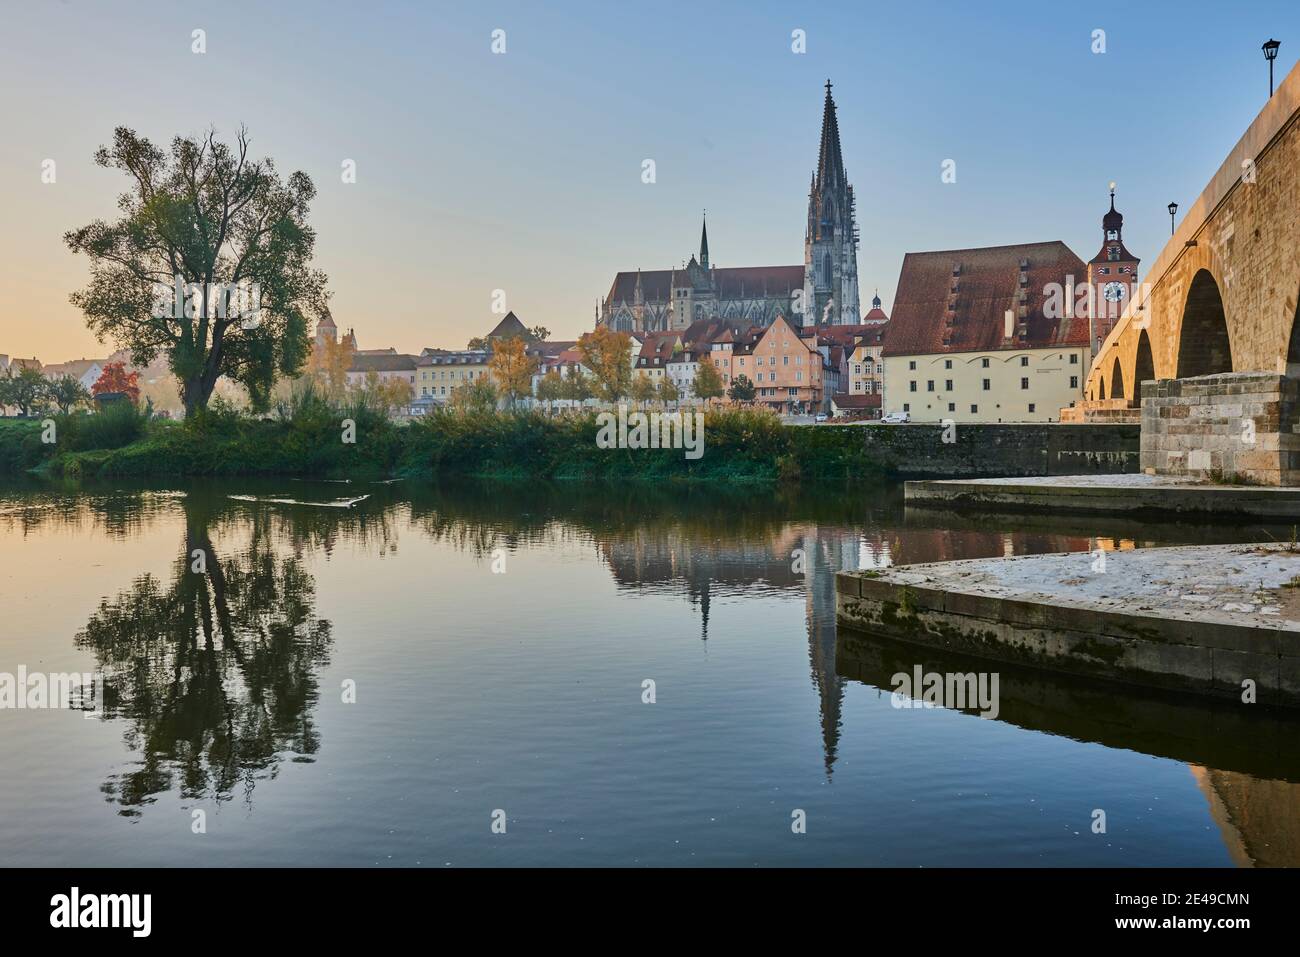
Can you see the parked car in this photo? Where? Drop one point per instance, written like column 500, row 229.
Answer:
column 820, row 417
column 896, row 418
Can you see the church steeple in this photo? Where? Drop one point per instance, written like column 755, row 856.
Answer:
column 831, row 240
column 704, row 243
column 830, row 164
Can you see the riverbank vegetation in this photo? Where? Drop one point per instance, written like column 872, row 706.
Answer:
column 306, row 434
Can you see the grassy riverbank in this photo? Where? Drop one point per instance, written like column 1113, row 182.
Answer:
column 309, row 439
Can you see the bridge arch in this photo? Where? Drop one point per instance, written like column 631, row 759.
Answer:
column 1116, row 380
column 1293, row 345
column 1144, row 366
column 1204, row 347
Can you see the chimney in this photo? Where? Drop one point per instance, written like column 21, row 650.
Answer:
column 1008, row 324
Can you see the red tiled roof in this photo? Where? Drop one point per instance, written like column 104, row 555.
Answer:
column 845, row 400
column 733, row 283
column 987, row 285
column 876, row 315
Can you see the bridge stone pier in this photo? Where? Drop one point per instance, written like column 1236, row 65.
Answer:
column 1209, row 346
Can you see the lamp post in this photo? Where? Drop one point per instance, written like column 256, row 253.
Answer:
column 1270, row 54
column 1173, row 208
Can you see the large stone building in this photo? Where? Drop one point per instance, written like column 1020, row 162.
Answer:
column 973, row 337
column 822, row 290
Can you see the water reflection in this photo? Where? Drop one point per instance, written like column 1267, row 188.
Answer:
column 213, row 668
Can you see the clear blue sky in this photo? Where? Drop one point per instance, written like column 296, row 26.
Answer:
column 522, row 171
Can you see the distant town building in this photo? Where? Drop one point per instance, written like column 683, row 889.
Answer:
column 1112, row 275
column 971, row 338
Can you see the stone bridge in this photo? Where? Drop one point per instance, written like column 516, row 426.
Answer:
column 1220, row 298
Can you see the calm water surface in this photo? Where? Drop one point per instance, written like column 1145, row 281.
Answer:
column 498, row 638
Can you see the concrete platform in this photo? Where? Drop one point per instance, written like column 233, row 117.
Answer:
column 1132, row 493
column 1200, row 618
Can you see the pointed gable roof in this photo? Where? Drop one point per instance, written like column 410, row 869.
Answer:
column 510, row 327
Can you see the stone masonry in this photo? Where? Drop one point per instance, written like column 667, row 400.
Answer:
column 1241, row 427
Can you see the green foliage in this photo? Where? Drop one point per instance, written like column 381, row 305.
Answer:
column 742, row 390
column 305, row 437
column 112, row 426
column 209, row 263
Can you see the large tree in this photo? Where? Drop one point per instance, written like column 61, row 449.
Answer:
column 209, row 221
column 512, row 368
column 67, row 391
column 609, row 357
column 26, row 390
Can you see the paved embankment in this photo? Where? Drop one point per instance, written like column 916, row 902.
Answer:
column 1107, row 493
column 1202, row 618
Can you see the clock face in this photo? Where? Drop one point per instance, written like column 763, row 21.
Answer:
column 1113, row 291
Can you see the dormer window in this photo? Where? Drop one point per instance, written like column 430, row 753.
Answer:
column 1112, row 253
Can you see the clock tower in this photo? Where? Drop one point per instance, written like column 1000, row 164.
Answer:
column 1112, row 277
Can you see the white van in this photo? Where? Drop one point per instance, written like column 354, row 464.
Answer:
column 896, row 418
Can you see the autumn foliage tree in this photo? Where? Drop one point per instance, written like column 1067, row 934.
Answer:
column 512, row 368
column 708, row 383
column 115, row 378
column 608, row 355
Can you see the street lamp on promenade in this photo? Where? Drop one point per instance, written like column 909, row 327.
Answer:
column 1173, row 208
column 1270, row 54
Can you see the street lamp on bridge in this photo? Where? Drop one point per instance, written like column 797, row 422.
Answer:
column 1173, row 208
column 1270, row 54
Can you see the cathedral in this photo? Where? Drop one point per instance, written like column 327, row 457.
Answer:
column 822, row 290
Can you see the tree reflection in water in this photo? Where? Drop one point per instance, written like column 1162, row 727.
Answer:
column 215, row 669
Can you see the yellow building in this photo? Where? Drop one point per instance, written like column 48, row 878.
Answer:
column 975, row 335
column 439, row 372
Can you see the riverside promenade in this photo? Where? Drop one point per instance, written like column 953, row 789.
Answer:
column 1130, row 493
column 1219, row 620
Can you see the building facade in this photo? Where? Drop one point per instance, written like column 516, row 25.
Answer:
column 970, row 339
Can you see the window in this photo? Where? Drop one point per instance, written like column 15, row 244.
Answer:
column 792, row 392
column 1031, row 407
column 987, row 384
column 974, row 409
column 929, row 385
column 947, row 363
column 1024, row 383
column 785, row 360
column 1074, row 382
column 947, row 385
column 1112, row 254
column 911, row 386
column 798, row 377
column 857, row 370
column 907, row 407
column 911, row 365
column 984, row 363
column 1074, row 358
column 1112, row 234
column 952, row 406
column 1024, row 360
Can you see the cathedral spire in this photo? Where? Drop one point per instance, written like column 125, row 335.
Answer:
column 704, row 242
column 830, row 164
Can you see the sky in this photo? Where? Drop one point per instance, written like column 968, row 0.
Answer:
column 522, row 171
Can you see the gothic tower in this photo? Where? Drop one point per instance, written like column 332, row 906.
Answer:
column 1112, row 276
column 830, row 286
